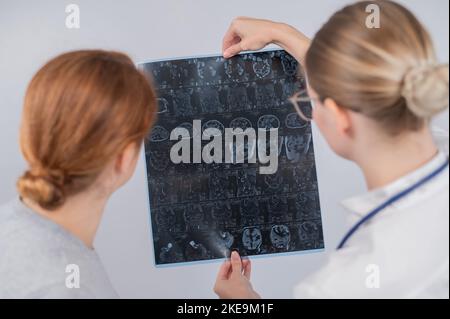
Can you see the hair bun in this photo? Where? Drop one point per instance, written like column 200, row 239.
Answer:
column 425, row 89
column 45, row 187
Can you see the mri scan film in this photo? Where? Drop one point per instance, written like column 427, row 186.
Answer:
column 202, row 211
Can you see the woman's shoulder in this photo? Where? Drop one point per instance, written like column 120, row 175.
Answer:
column 38, row 256
column 20, row 227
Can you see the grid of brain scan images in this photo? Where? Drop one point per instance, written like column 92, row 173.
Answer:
column 202, row 211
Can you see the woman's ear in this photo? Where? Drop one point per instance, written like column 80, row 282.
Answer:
column 125, row 162
column 341, row 116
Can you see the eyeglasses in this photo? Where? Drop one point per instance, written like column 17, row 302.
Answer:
column 303, row 104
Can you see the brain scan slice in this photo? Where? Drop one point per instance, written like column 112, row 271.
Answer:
column 289, row 88
column 280, row 237
column 192, row 190
column 289, row 65
column 209, row 100
column 268, row 122
column 234, row 69
column 217, row 186
column 158, row 159
column 196, row 251
column 265, row 96
column 238, row 99
column 222, row 241
column 214, row 124
column 170, row 253
column 187, row 131
column 250, row 207
column 296, row 146
column 273, row 181
column 182, row 102
column 293, row 121
column 306, row 205
column 262, row 67
column 278, row 208
column 227, row 239
column 242, row 152
column 268, row 144
column 205, row 70
column 160, row 193
column 165, row 219
column 310, row 234
column 304, row 178
column 194, row 218
column 163, row 105
column 222, row 212
column 159, row 134
column 240, row 123
column 252, row 239
column 246, row 183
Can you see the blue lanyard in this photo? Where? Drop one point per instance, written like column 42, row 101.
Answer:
column 390, row 201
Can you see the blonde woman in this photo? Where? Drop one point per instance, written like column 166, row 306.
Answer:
column 374, row 93
column 85, row 116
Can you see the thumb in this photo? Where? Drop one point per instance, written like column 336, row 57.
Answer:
column 236, row 263
column 233, row 50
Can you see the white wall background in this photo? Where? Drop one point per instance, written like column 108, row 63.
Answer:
column 33, row 31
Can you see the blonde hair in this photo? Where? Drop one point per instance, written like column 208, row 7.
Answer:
column 81, row 109
column 389, row 74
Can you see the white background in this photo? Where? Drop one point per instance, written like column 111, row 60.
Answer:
column 31, row 32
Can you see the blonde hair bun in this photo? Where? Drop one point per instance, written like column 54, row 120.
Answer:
column 425, row 89
column 44, row 187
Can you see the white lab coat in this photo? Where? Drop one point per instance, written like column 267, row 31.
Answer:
column 403, row 252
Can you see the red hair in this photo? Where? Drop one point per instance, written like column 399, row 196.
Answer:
column 81, row 109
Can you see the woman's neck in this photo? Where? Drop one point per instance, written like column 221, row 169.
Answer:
column 388, row 159
column 80, row 215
